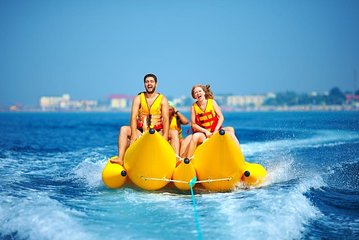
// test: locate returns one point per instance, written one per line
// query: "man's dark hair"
(150, 75)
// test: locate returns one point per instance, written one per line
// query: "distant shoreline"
(296, 108)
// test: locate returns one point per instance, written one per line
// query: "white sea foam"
(271, 212)
(90, 170)
(38, 217)
(268, 215)
(320, 139)
(275, 210)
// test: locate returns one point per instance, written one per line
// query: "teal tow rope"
(191, 184)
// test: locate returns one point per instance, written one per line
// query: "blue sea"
(51, 188)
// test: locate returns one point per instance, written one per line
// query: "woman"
(176, 119)
(206, 119)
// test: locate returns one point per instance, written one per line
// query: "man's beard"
(152, 91)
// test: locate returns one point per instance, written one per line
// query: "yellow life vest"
(174, 124)
(150, 116)
(208, 118)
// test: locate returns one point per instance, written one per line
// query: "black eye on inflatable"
(123, 173)
(186, 161)
(247, 173)
(222, 132)
(152, 131)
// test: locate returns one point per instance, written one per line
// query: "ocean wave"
(89, 171)
(264, 214)
(38, 217)
(319, 139)
(344, 175)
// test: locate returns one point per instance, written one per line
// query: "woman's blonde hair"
(207, 91)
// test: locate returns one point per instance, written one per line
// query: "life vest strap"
(150, 121)
(204, 114)
(207, 120)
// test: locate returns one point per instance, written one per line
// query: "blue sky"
(91, 49)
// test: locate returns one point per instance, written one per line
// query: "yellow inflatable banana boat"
(150, 157)
(150, 163)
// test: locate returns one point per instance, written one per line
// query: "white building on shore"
(64, 103)
(120, 101)
(246, 101)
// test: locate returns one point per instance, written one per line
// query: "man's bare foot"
(117, 161)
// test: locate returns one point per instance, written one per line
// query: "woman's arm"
(220, 116)
(182, 118)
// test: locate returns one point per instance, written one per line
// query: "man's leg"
(123, 143)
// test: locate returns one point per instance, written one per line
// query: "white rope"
(163, 179)
(180, 181)
(214, 180)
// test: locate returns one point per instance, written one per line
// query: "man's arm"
(165, 117)
(134, 114)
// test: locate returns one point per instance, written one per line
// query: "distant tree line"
(290, 98)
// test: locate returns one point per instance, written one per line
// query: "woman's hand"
(133, 138)
(208, 133)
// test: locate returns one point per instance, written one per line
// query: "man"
(149, 110)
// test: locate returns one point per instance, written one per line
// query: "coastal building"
(245, 101)
(54, 102)
(64, 103)
(352, 99)
(83, 105)
(120, 101)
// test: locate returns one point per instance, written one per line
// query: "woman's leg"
(184, 145)
(231, 132)
(174, 140)
(197, 138)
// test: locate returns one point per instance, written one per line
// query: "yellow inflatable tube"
(113, 175)
(219, 162)
(183, 173)
(148, 160)
(254, 174)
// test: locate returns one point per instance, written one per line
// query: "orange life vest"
(208, 118)
(149, 116)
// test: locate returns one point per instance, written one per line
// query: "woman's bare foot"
(178, 160)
